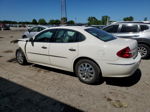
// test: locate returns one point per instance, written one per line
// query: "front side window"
(102, 35)
(66, 36)
(44, 37)
(129, 28)
(112, 29)
(144, 27)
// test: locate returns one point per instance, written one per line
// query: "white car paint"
(103, 53)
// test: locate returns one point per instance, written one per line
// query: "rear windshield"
(102, 35)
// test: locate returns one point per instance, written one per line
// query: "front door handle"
(43, 47)
(71, 49)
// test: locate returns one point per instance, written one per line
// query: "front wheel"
(20, 57)
(87, 71)
(144, 50)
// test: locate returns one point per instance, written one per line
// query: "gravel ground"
(35, 88)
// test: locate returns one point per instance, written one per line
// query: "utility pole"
(63, 12)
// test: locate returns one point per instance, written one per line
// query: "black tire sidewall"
(97, 76)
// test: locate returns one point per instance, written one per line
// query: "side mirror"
(32, 41)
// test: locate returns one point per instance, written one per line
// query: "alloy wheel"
(86, 71)
(142, 50)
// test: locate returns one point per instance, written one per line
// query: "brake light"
(125, 53)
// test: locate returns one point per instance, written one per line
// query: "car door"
(128, 31)
(64, 49)
(38, 49)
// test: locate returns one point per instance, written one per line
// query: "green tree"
(34, 21)
(99, 22)
(54, 22)
(93, 21)
(71, 22)
(24, 22)
(63, 20)
(145, 19)
(57, 22)
(105, 20)
(51, 22)
(42, 21)
(8, 22)
(130, 18)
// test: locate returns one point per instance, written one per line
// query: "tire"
(144, 51)
(24, 36)
(87, 71)
(20, 57)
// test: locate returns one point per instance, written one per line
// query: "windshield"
(102, 35)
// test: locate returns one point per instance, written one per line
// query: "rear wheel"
(87, 71)
(144, 50)
(20, 57)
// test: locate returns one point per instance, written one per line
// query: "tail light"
(125, 53)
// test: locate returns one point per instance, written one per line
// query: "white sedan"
(89, 52)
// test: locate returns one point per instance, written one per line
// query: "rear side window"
(129, 28)
(80, 37)
(66, 36)
(102, 35)
(144, 27)
(112, 29)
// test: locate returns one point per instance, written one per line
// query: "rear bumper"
(118, 69)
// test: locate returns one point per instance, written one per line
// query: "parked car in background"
(87, 51)
(33, 31)
(139, 31)
(98, 26)
(4, 27)
(30, 26)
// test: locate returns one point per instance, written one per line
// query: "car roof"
(78, 28)
(131, 22)
(42, 26)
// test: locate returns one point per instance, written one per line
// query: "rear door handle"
(71, 49)
(43, 47)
